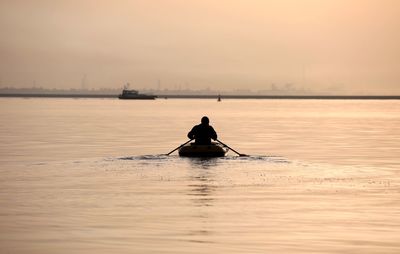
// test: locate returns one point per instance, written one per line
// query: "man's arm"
(191, 133)
(213, 134)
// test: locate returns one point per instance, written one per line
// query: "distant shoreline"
(168, 96)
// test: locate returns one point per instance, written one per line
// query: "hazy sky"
(221, 44)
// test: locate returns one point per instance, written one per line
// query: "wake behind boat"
(195, 150)
(135, 95)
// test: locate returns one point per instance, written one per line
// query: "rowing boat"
(194, 150)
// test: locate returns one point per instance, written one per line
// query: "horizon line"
(211, 96)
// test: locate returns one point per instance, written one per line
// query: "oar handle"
(179, 147)
(240, 154)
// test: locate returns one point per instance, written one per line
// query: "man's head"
(205, 120)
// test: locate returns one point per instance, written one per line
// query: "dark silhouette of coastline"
(183, 96)
(60, 95)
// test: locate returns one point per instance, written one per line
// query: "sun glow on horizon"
(225, 44)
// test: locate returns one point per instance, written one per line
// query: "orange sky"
(225, 44)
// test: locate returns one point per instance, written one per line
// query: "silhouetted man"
(203, 133)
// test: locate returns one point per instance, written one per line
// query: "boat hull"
(193, 150)
(139, 97)
(135, 95)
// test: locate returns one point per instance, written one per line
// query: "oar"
(240, 154)
(178, 147)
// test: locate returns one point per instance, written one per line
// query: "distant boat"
(135, 95)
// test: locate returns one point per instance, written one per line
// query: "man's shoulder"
(201, 126)
(196, 127)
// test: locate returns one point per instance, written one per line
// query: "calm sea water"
(89, 176)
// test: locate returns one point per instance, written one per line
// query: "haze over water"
(89, 176)
(330, 46)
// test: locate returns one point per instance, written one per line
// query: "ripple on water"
(160, 157)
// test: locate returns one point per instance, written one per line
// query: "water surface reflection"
(202, 178)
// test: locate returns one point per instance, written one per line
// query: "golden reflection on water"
(86, 176)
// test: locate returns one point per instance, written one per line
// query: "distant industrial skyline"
(334, 46)
(288, 89)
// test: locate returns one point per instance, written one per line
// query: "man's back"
(202, 133)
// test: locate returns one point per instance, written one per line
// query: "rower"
(203, 133)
